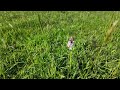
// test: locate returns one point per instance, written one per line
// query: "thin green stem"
(69, 63)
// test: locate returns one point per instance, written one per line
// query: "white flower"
(70, 43)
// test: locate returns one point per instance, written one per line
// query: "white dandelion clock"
(70, 43)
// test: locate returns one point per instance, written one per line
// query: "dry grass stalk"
(109, 32)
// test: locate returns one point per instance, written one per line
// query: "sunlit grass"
(33, 45)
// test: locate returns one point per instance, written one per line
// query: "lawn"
(33, 45)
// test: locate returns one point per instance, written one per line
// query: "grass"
(33, 45)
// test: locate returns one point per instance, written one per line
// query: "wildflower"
(70, 43)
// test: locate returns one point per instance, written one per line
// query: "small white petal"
(70, 45)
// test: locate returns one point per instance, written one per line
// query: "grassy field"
(33, 45)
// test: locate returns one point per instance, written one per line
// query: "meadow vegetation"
(33, 45)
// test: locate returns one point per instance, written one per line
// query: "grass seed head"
(109, 32)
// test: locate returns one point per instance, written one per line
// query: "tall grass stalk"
(106, 39)
(39, 19)
(110, 31)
